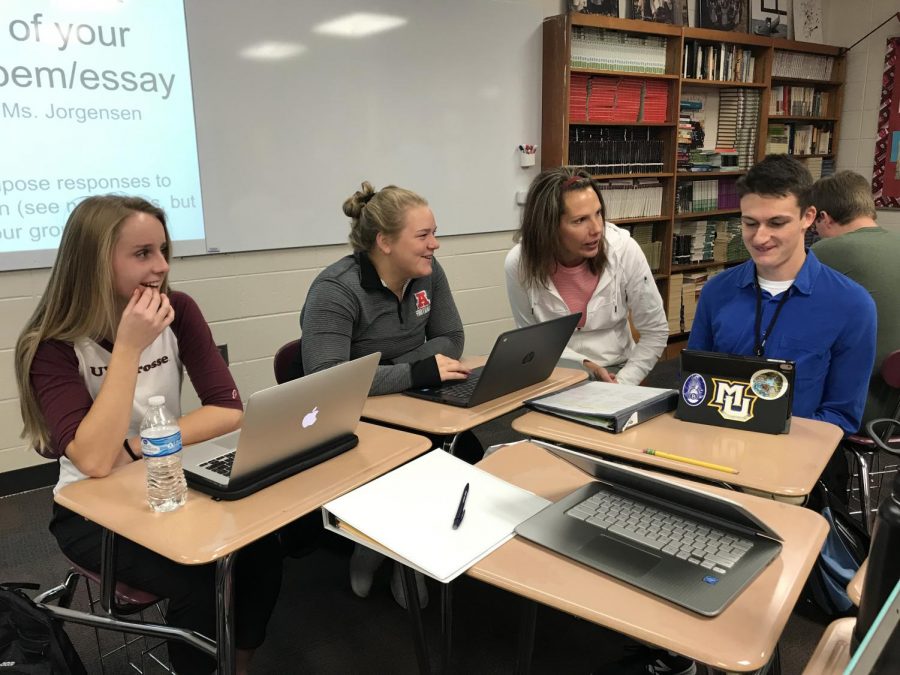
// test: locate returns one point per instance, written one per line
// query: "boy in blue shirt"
(785, 304)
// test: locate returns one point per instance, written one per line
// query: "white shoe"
(363, 564)
(397, 587)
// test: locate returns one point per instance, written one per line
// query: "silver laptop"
(520, 358)
(286, 429)
(680, 543)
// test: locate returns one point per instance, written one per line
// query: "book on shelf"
(802, 66)
(408, 514)
(601, 98)
(717, 61)
(615, 150)
(798, 101)
(632, 198)
(599, 49)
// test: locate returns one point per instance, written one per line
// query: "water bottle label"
(162, 446)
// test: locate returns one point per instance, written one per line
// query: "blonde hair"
(80, 300)
(374, 212)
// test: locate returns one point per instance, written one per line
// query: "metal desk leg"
(108, 545)
(225, 615)
(449, 444)
(446, 625)
(527, 621)
(411, 591)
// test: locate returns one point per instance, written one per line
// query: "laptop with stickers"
(738, 392)
(286, 429)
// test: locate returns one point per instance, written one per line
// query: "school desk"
(780, 466)
(832, 654)
(743, 638)
(448, 421)
(205, 530)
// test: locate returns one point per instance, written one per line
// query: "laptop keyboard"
(663, 531)
(221, 464)
(464, 388)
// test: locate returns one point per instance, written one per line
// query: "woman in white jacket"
(569, 259)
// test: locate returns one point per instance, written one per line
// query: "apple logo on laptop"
(310, 418)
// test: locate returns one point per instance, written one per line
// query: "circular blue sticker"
(693, 391)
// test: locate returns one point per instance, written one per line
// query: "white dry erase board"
(438, 103)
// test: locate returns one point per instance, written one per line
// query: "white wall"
(844, 23)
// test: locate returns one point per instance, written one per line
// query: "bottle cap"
(156, 400)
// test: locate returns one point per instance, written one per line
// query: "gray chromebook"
(520, 358)
(286, 429)
(694, 549)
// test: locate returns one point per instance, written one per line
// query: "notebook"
(607, 406)
(286, 429)
(409, 514)
(682, 544)
(519, 358)
(739, 392)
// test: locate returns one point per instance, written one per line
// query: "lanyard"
(760, 348)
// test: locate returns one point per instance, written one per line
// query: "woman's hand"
(450, 369)
(599, 372)
(145, 316)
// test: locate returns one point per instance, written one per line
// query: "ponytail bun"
(354, 204)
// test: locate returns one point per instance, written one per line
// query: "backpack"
(846, 546)
(31, 640)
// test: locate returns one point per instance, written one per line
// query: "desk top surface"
(204, 530)
(440, 418)
(832, 655)
(741, 638)
(783, 465)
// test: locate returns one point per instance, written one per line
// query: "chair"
(288, 362)
(128, 601)
(864, 448)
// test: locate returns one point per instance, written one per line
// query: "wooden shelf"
(801, 118)
(621, 73)
(710, 174)
(691, 215)
(576, 123)
(557, 42)
(691, 82)
(613, 176)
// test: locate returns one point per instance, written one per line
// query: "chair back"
(288, 362)
(890, 369)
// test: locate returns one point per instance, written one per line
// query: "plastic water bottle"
(161, 445)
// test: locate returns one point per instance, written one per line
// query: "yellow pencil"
(688, 460)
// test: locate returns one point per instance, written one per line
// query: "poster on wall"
(770, 18)
(886, 174)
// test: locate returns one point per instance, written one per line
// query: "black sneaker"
(652, 662)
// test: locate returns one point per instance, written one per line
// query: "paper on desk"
(408, 513)
(600, 398)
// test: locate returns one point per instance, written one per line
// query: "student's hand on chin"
(600, 373)
(450, 369)
(146, 315)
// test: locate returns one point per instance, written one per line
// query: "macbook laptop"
(286, 429)
(739, 392)
(519, 358)
(679, 543)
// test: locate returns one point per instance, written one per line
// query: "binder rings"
(611, 407)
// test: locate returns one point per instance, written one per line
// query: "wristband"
(130, 452)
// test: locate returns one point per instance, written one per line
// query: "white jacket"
(626, 285)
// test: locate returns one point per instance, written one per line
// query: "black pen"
(461, 509)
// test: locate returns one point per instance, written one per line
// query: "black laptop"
(739, 392)
(520, 358)
(680, 543)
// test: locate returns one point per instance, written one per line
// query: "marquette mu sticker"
(423, 304)
(734, 400)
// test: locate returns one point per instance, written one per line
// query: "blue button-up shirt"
(827, 326)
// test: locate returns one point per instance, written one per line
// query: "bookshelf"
(667, 118)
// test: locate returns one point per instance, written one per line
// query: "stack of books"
(777, 139)
(814, 165)
(706, 195)
(693, 242)
(802, 66)
(643, 235)
(611, 150)
(798, 101)
(632, 198)
(673, 313)
(738, 123)
(690, 129)
(615, 50)
(617, 99)
(729, 245)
